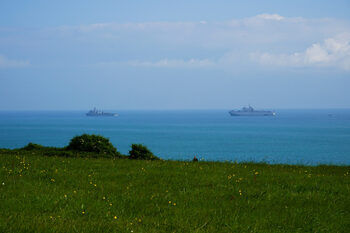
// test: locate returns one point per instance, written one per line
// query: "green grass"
(58, 194)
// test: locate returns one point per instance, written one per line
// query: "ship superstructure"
(96, 112)
(250, 111)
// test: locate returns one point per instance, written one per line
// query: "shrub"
(93, 143)
(33, 146)
(139, 151)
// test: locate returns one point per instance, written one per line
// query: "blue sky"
(68, 55)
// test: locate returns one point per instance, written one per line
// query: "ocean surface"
(308, 137)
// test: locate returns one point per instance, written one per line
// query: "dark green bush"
(33, 146)
(93, 143)
(139, 151)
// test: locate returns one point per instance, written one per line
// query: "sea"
(306, 137)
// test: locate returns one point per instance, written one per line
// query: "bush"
(93, 143)
(33, 146)
(139, 151)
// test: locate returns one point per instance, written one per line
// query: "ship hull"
(95, 112)
(255, 113)
(102, 115)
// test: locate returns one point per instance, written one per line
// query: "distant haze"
(174, 54)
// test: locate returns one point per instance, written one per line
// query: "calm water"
(293, 136)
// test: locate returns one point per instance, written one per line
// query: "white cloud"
(270, 17)
(8, 63)
(332, 52)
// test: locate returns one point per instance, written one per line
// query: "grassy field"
(58, 194)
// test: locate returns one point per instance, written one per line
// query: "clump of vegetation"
(93, 143)
(139, 151)
(52, 151)
(93, 146)
(33, 146)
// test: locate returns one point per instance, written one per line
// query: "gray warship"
(95, 112)
(249, 111)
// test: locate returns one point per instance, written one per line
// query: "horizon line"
(174, 109)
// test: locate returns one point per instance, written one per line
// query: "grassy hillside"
(58, 194)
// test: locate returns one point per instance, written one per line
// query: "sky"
(76, 55)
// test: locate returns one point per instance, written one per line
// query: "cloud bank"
(265, 39)
(302, 42)
(332, 52)
(270, 17)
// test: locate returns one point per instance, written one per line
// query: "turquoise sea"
(293, 136)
